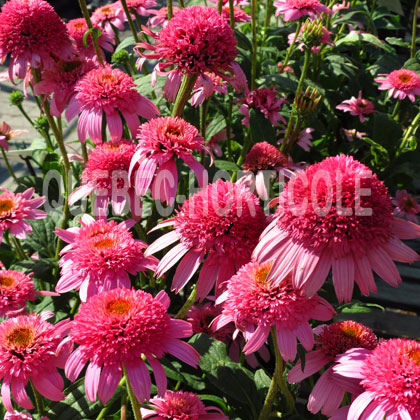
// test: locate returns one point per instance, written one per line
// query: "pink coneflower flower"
(111, 92)
(100, 256)
(336, 214)
(15, 415)
(324, 40)
(161, 17)
(30, 350)
(109, 16)
(263, 159)
(406, 206)
(205, 86)
(256, 304)
(352, 134)
(14, 208)
(265, 100)
(197, 40)
(305, 139)
(341, 6)
(32, 33)
(6, 134)
(287, 69)
(238, 14)
(61, 80)
(389, 379)
(141, 7)
(106, 172)
(295, 9)
(114, 330)
(160, 142)
(222, 222)
(180, 405)
(201, 316)
(15, 289)
(357, 106)
(236, 3)
(400, 83)
(332, 341)
(77, 29)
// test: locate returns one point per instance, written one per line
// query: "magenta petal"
(183, 351)
(115, 126)
(93, 374)
(162, 242)
(75, 364)
(359, 405)
(198, 169)
(286, 340)
(160, 376)
(398, 251)
(82, 126)
(146, 108)
(186, 269)
(132, 121)
(314, 362)
(5, 394)
(144, 175)
(343, 277)
(171, 258)
(364, 277)
(404, 229)
(208, 275)
(139, 378)
(258, 338)
(383, 265)
(49, 385)
(305, 335)
(20, 395)
(163, 298)
(108, 382)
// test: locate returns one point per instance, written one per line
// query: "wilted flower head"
(100, 256)
(197, 40)
(114, 330)
(106, 171)
(265, 100)
(112, 92)
(30, 350)
(256, 304)
(327, 220)
(341, 6)
(160, 142)
(32, 33)
(400, 83)
(389, 379)
(220, 223)
(14, 208)
(357, 106)
(406, 206)
(6, 134)
(77, 29)
(205, 86)
(332, 341)
(180, 405)
(295, 9)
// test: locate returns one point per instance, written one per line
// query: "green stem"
(414, 33)
(254, 24)
(203, 117)
(140, 231)
(372, 9)
(396, 110)
(132, 396)
(245, 148)
(181, 4)
(85, 12)
(188, 304)
(20, 107)
(170, 9)
(84, 152)
(123, 405)
(408, 133)
(184, 93)
(39, 402)
(304, 70)
(18, 247)
(75, 306)
(289, 51)
(103, 413)
(229, 128)
(103, 127)
(269, 7)
(130, 21)
(7, 163)
(220, 6)
(232, 14)
(277, 382)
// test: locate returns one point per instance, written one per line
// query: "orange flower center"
(350, 330)
(174, 131)
(404, 78)
(6, 204)
(79, 26)
(105, 243)
(20, 336)
(6, 281)
(118, 306)
(415, 355)
(261, 273)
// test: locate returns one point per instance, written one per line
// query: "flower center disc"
(6, 281)
(415, 355)
(5, 206)
(404, 78)
(20, 336)
(105, 243)
(119, 307)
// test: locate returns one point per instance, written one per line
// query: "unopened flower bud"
(16, 98)
(120, 57)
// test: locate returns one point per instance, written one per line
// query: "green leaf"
(243, 41)
(261, 127)
(397, 41)
(126, 42)
(283, 82)
(393, 5)
(36, 144)
(356, 37)
(226, 165)
(144, 84)
(412, 64)
(229, 377)
(217, 124)
(262, 380)
(386, 131)
(42, 268)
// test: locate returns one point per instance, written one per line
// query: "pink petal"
(163, 298)
(286, 340)
(384, 266)
(93, 375)
(75, 364)
(171, 258)
(343, 277)
(79, 193)
(5, 394)
(139, 378)
(108, 382)
(258, 338)
(404, 229)
(114, 126)
(144, 175)
(49, 385)
(183, 351)
(364, 276)
(398, 251)
(359, 405)
(314, 362)
(160, 376)
(305, 335)
(186, 269)
(198, 169)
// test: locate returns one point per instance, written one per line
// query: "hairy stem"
(184, 94)
(188, 304)
(7, 163)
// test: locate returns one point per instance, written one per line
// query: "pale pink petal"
(186, 269)
(139, 378)
(286, 340)
(93, 374)
(314, 362)
(359, 405)
(160, 376)
(343, 277)
(108, 382)
(258, 338)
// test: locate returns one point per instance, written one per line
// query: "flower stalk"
(289, 51)
(254, 23)
(414, 30)
(184, 93)
(130, 20)
(134, 403)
